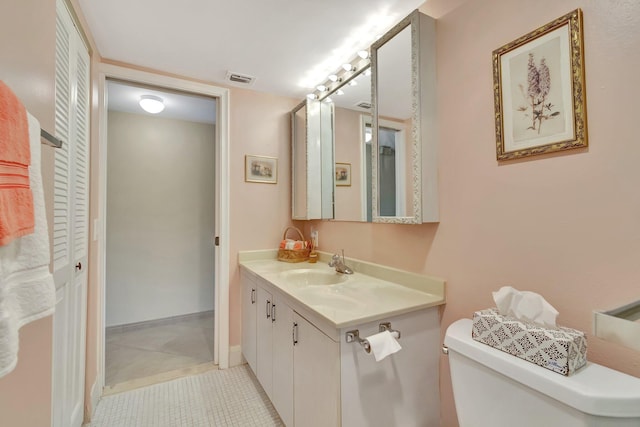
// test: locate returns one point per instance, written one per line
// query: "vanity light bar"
(342, 76)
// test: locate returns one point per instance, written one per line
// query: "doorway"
(222, 355)
(159, 290)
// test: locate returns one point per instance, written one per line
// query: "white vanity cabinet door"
(249, 305)
(316, 377)
(282, 397)
(264, 341)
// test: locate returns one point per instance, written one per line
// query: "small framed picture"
(261, 169)
(539, 91)
(343, 174)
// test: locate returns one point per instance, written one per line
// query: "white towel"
(27, 291)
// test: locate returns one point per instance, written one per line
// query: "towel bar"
(50, 140)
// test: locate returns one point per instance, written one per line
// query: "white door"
(264, 344)
(316, 367)
(282, 396)
(70, 223)
(249, 303)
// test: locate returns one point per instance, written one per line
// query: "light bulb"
(347, 67)
(327, 99)
(321, 88)
(312, 96)
(339, 92)
(353, 83)
(364, 54)
(333, 78)
(151, 104)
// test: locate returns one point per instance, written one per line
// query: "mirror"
(352, 121)
(312, 167)
(404, 165)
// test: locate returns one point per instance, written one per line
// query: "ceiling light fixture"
(151, 104)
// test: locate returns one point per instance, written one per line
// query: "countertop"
(357, 298)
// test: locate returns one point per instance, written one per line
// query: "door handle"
(79, 266)
(273, 312)
(268, 309)
(253, 296)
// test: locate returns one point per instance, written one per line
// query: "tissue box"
(562, 350)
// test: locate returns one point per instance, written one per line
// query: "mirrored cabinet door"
(312, 160)
(404, 145)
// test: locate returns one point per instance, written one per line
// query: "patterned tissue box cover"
(562, 350)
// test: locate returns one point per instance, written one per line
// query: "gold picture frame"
(539, 91)
(261, 169)
(343, 174)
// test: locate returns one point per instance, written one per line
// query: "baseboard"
(235, 356)
(96, 394)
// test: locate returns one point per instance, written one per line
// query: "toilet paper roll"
(383, 344)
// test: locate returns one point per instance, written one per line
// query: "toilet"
(494, 388)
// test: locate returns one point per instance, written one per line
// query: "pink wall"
(566, 226)
(27, 51)
(260, 125)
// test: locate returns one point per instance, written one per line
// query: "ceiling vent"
(364, 104)
(240, 78)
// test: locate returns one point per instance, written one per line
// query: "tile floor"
(232, 397)
(151, 348)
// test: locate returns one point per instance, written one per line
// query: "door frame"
(221, 286)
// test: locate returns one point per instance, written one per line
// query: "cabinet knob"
(78, 266)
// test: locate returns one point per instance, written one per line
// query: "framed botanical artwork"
(343, 174)
(261, 169)
(539, 91)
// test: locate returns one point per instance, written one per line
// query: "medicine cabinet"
(312, 160)
(385, 137)
(404, 139)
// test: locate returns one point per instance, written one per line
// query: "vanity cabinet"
(290, 355)
(315, 377)
(249, 305)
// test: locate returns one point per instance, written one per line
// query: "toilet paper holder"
(354, 335)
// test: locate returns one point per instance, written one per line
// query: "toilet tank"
(493, 388)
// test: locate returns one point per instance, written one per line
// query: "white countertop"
(358, 298)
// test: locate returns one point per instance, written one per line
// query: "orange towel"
(16, 199)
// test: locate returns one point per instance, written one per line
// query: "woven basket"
(293, 255)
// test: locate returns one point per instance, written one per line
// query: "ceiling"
(124, 96)
(289, 46)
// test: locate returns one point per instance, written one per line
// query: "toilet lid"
(594, 389)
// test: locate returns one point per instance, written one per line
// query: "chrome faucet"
(339, 264)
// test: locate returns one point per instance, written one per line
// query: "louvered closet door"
(70, 222)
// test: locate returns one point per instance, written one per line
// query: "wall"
(566, 226)
(160, 223)
(27, 48)
(259, 124)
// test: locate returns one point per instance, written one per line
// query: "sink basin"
(308, 277)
